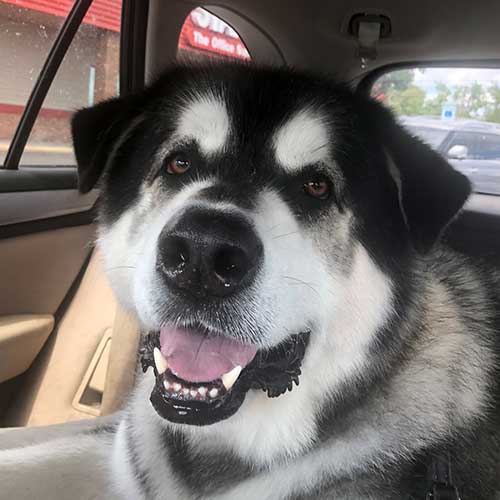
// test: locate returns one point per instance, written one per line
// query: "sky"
(454, 76)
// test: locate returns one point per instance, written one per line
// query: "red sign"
(206, 32)
(102, 13)
(201, 30)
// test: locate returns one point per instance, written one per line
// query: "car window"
(89, 73)
(435, 137)
(467, 139)
(456, 111)
(206, 35)
(26, 36)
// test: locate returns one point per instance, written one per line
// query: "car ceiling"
(314, 33)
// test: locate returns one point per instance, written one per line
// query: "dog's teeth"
(213, 393)
(193, 393)
(185, 391)
(202, 391)
(177, 387)
(229, 378)
(167, 385)
(160, 361)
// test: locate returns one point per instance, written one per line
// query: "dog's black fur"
(398, 220)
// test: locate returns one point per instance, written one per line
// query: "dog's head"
(248, 216)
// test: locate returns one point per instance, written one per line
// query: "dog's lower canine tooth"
(166, 384)
(160, 362)
(229, 378)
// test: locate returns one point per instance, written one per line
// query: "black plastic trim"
(133, 45)
(38, 179)
(476, 234)
(38, 226)
(43, 83)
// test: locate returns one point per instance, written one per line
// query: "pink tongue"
(195, 357)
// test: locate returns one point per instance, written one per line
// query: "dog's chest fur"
(372, 441)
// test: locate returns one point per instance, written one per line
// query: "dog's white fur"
(302, 140)
(296, 289)
(204, 119)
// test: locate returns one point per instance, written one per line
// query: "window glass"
(454, 110)
(205, 35)
(431, 135)
(27, 32)
(89, 73)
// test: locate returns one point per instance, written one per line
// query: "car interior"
(67, 349)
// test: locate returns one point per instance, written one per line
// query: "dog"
(307, 334)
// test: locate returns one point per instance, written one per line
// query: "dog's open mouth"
(202, 378)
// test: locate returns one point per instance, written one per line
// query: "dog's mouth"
(203, 378)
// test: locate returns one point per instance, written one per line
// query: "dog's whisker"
(284, 235)
(272, 228)
(119, 267)
(301, 282)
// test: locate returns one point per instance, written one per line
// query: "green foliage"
(407, 102)
(395, 81)
(492, 113)
(470, 100)
(434, 105)
(398, 90)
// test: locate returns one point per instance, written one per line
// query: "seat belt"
(441, 480)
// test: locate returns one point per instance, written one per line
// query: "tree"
(408, 102)
(393, 81)
(434, 105)
(492, 112)
(471, 100)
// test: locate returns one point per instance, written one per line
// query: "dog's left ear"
(431, 191)
(95, 131)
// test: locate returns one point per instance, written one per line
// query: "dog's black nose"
(207, 252)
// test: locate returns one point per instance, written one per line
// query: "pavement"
(42, 154)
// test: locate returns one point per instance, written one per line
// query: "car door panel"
(38, 269)
(47, 391)
(38, 205)
(21, 339)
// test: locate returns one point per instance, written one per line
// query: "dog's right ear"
(431, 191)
(95, 131)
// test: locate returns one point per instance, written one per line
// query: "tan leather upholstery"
(45, 396)
(48, 391)
(37, 270)
(122, 362)
(21, 338)
(19, 437)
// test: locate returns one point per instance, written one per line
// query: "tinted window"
(449, 107)
(88, 74)
(26, 36)
(205, 35)
(432, 136)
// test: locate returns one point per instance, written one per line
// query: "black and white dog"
(307, 335)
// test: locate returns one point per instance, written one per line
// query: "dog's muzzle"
(206, 258)
(178, 400)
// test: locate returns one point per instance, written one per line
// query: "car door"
(56, 308)
(482, 164)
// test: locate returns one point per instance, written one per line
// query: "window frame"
(131, 68)
(367, 79)
(479, 202)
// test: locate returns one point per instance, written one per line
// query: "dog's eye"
(318, 188)
(178, 165)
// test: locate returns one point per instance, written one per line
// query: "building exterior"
(89, 72)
